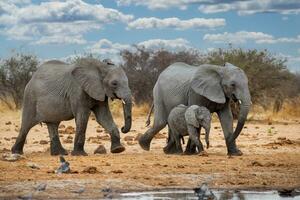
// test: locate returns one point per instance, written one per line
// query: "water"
(219, 195)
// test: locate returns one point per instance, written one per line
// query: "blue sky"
(61, 29)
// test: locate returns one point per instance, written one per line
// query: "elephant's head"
(220, 83)
(199, 116)
(103, 79)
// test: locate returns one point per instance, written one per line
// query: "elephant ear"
(90, 80)
(207, 83)
(190, 116)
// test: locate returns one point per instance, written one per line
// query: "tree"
(15, 72)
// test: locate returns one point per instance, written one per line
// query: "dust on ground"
(271, 160)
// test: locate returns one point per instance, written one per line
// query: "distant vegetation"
(270, 82)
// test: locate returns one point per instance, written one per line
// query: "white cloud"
(244, 36)
(178, 44)
(153, 22)
(107, 49)
(214, 6)
(65, 21)
(254, 6)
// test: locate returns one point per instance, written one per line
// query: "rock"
(12, 157)
(117, 171)
(129, 138)
(98, 130)
(79, 191)
(90, 170)
(8, 123)
(64, 167)
(33, 165)
(43, 142)
(100, 150)
(41, 187)
(203, 192)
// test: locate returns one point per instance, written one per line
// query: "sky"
(60, 29)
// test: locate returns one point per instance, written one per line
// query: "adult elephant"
(206, 85)
(60, 91)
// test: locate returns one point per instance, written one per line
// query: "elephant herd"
(184, 97)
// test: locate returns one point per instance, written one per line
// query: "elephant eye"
(232, 84)
(114, 83)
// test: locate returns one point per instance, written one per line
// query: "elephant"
(207, 85)
(59, 91)
(184, 120)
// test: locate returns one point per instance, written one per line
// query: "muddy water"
(218, 194)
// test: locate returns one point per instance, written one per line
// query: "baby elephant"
(184, 120)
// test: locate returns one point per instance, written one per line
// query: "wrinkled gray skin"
(184, 120)
(60, 91)
(206, 85)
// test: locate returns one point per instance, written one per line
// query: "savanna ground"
(271, 159)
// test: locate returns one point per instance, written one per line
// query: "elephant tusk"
(240, 102)
(123, 102)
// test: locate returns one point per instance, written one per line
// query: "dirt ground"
(271, 160)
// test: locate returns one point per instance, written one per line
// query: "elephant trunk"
(207, 137)
(244, 110)
(127, 106)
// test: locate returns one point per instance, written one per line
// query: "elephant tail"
(149, 116)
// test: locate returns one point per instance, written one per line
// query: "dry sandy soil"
(271, 160)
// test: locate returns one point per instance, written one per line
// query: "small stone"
(98, 130)
(33, 165)
(43, 142)
(41, 187)
(70, 137)
(118, 171)
(256, 164)
(203, 153)
(7, 139)
(90, 170)
(79, 191)
(8, 123)
(100, 150)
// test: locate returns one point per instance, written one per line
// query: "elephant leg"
(81, 121)
(104, 118)
(173, 143)
(191, 147)
(160, 121)
(28, 121)
(55, 145)
(226, 120)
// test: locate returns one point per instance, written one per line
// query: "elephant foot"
(235, 152)
(78, 153)
(15, 150)
(172, 150)
(144, 142)
(117, 149)
(58, 151)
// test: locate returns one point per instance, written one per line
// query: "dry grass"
(289, 111)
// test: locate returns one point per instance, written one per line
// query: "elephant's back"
(52, 69)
